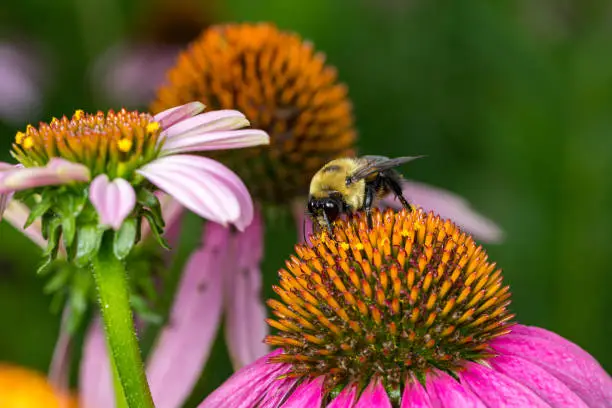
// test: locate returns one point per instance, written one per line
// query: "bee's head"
(330, 207)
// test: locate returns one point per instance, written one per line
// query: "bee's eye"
(331, 210)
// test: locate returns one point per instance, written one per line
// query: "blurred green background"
(511, 102)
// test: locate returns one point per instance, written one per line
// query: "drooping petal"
(307, 394)
(374, 395)
(447, 205)
(496, 389)
(59, 370)
(171, 116)
(248, 386)
(5, 199)
(579, 371)
(445, 391)
(415, 396)
(95, 375)
(204, 186)
(245, 312)
(57, 171)
(346, 398)
(113, 200)
(201, 139)
(16, 214)
(213, 121)
(184, 344)
(538, 380)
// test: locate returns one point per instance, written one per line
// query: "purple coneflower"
(286, 88)
(92, 179)
(408, 314)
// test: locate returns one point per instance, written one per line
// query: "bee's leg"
(394, 185)
(367, 204)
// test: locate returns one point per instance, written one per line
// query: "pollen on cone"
(284, 87)
(412, 294)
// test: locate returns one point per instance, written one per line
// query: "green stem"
(113, 292)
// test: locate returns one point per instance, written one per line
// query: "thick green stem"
(113, 292)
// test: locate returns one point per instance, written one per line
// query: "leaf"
(125, 238)
(38, 210)
(157, 231)
(88, 242)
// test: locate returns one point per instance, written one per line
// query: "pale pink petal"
(171, 116)
(374, 395)
(5, 199)
(59, 370)
(445, 391)
(248, 386)
(204, 186)
(57, 171)
(183, 347)
(16, 214)
(113, 200)
(415, 396)
(562, 359)
(346, 398)
(224, 119)
(307, 394)
(245, 312)
(496, 389)
(447, 205)
(231, 139)
(95, 376)
(538, 380)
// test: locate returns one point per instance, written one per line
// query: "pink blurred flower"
(533, 368)
(203, 185)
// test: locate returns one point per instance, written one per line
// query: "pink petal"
(204, 186)
(538, 380)
(496, 389)
(16, 214)
(95, 377)
(245, 311)
(183, 347)
(445, 391)
(346, 398)
(57, 171)
(113, 200)
(415, 396)
(248, 386)
(204, 123)
(278, 393)
(201, 141)
(374, 395)
(448, 205)
(171, 116)
(59, 371)
(562, 359)
(5, 199)
(306, 395)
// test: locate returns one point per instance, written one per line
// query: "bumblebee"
(346, 185)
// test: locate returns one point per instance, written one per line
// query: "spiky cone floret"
(411, 295)
(407, 314)
(284, 87)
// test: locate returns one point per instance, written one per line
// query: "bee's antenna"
(304, 229)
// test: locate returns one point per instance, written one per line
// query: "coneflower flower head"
(284, 87)
(412, 295)
(91, 172)
(408, 313)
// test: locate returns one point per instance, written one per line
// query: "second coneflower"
(407, 314)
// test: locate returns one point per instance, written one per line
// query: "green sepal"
(156, 230)
(420, 375)
(39, 209)
(125, 238)
(150, 201)
(68, 233)
(59, 279)
(88, 243)
(46, 266)
(52, 227)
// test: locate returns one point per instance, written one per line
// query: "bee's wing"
(375, 164)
